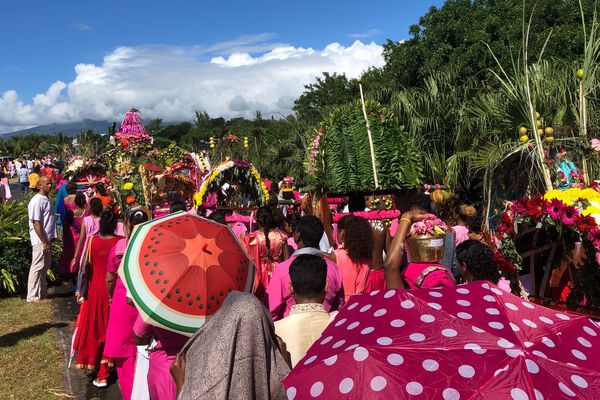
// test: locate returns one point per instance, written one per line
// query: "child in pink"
(120, 344)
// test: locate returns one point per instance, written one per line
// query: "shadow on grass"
(10, 339)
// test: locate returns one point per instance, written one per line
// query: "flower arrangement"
(314, 151)
(431, 225)
(241, 169)
(573, 213)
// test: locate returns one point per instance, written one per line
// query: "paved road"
(78, 382)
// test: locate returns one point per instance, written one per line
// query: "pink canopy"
(466, 342)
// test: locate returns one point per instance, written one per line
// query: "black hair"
(71, 188)
(273, 200)
(358, 239)
(479, 260)
(311, 230)
(421, 201)
(108, 223)
(356, 202)
(176, 206)
(96, 206)
(274, 187)
(266, 218)
(100, 188)
(136, 216)
(2, 175)
(218, 216)
(80, 200)
(475, 223)
(36, 169)
(308, 274)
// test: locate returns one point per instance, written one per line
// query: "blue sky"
(42, 41)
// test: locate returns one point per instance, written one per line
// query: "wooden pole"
(583, 130)
(362, 100)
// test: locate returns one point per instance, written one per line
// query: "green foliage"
(15, 248)
(455, 35)
(339, 158)
(328, 91)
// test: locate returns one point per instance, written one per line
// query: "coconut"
(524, 139)
(549, 131)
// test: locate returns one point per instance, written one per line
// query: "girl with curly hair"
(476, 262)
(353, 258)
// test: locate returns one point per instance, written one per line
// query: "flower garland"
(224, 166)
(314, 151)
(576, 210)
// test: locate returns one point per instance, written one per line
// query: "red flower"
(503, 264)
(585, 224)
(569, 216)
(507, 225)
(594, 237)
(520, 207)
(130, 199)
(536, 207)
(555, 209)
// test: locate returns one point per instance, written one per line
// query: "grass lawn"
(31, 364)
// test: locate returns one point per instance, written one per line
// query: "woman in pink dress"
(266, 247)
(168, 344)
(89, 226)
(120, 344)
(74, 211)
(92, 321)
(353, 258)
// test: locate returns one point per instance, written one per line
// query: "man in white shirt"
(308, 318)
(42, 231)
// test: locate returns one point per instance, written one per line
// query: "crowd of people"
(303, 277)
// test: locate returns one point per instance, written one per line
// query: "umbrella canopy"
(180, 268)
(466, 342)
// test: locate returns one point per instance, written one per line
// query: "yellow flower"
(591, 210)
(128, 186)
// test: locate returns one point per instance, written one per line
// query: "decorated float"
(86, 173)
(361, 149)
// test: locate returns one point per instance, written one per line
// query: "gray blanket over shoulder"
(235, 355)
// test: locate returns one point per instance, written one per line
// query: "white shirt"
(40, 209)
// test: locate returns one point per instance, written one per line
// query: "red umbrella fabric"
(179, 269)
(465, 342)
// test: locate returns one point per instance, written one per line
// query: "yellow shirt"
(33, 180)
(301, 328)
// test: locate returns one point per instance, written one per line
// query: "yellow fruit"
(538, 123)
(523, 130)
(549, 131)
(540, 132)
(537, 115)
(549, 139)
(580, 73)
(524, 139)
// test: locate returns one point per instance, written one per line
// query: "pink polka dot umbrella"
(466, 342)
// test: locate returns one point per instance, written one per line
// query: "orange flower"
(130, 199)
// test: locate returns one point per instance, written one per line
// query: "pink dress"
(160, 382)
(461, 234)
(375, 280)
(92, 227)
(71, 232)
(354, 275)
(257, 249)
(120, 344)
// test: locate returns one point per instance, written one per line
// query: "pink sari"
(257, 249)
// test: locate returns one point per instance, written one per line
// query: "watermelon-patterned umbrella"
(179, 269)
(465, 342)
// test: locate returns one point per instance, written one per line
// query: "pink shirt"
(461, 234)
(354, 275)
(278, 292)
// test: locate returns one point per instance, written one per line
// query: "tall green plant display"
(339, 159)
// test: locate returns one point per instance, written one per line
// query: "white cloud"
(365, 35)
(81, 26)
(171, 82)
